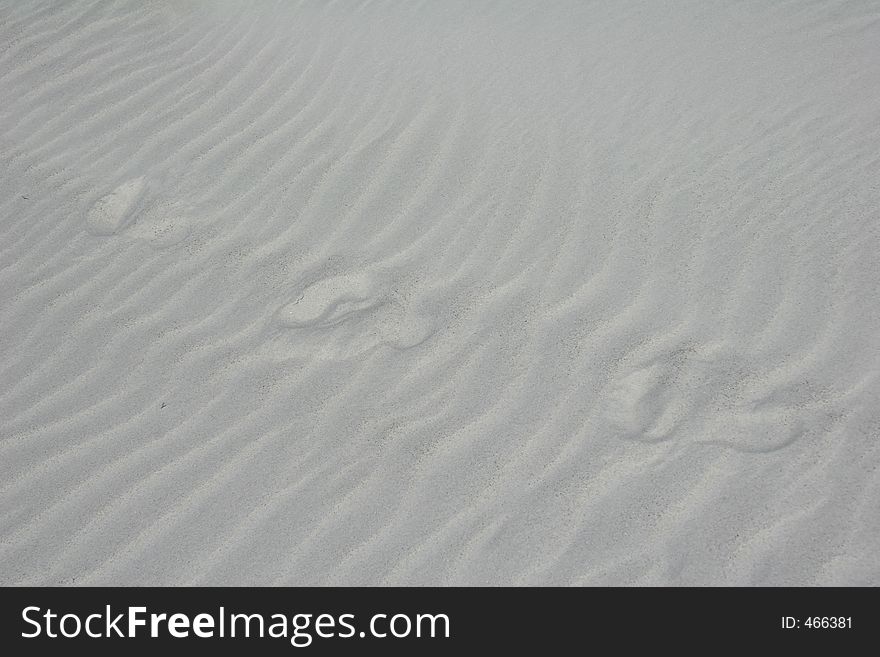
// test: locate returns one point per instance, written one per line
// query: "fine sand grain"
(440, 292)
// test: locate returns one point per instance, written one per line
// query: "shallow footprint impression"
(706, 395)
(116, 210)
(343, 316)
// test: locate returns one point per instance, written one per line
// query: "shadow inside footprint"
(706, 396)
(330, 302)
(116, 210)
(343, 316)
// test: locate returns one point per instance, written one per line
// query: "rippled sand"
(440, 292)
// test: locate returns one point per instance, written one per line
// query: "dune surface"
(440, 292)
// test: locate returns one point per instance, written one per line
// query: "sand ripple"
(439, 292)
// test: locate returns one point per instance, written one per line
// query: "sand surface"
(440, 292)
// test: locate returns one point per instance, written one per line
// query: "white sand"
(444, 292)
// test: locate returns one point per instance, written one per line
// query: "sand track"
(439, 292)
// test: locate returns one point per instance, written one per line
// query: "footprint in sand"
(342, 316)
(708, 396)
(330, 302)
(132, 207)
(116, 210)
(164, 225)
